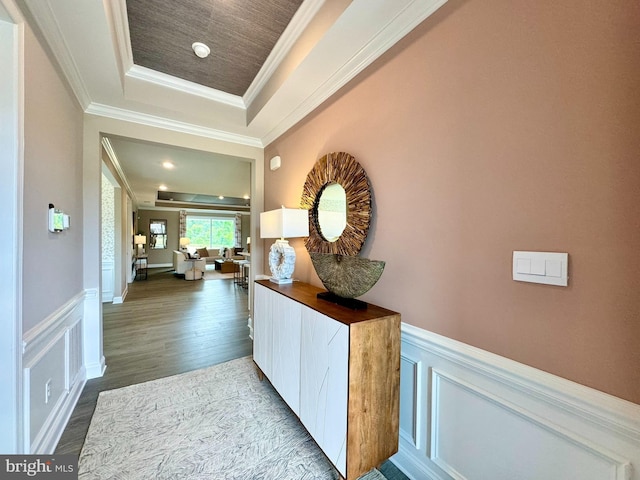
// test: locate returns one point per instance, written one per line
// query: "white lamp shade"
(284, 223)
(184, 241)
(139, 239)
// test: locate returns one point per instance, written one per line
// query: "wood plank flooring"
(166, 326)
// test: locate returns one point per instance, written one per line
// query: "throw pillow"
(203, 252)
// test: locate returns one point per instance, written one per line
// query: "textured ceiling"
(240, 34)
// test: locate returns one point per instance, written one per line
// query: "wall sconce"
(281, 223)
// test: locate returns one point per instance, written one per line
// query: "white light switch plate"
(541, 267)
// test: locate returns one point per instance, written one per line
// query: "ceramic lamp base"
(282, 260)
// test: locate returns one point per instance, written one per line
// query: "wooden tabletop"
(306, 294)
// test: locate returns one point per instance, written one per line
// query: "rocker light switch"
(541, 267)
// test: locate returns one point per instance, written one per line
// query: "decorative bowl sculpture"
(346, 276)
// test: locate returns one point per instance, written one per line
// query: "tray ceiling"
(240, 34)
(272, 62)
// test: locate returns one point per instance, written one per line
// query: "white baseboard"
(120, 299)
(53, 363)
(56, 423)
(160, 265)
(96, 370)
(466, 413)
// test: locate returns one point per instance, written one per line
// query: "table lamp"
(184, 241)
(281, 223)
(140, 241)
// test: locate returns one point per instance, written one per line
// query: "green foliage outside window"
(211, 232)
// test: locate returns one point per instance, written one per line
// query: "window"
(211, 232)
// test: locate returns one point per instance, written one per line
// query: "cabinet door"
(276, 344)
(324, 353)
(286, 350)
(263, 329)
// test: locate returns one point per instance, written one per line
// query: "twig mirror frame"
(341, 168)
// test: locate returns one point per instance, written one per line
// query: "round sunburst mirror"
(338, 198)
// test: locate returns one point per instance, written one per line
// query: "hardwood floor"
(166, 326)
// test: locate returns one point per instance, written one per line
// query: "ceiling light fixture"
(168, 165)
(201, 50)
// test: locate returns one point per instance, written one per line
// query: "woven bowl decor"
(347, 277)
(343, 169)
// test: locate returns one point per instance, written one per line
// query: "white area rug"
(216, 423)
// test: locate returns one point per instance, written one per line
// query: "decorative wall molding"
(53, 356)
(146, 74)
(46, 20)
(122, 179)
(168, 124)
(33, 340)
(94, 361)
(108, 280)
(406, 20)
(457, 400)
(298, 23)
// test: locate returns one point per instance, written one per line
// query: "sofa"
(210, 255)
(181, 265)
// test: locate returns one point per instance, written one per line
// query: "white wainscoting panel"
(108, 280)
(467, 414)
(52, 353)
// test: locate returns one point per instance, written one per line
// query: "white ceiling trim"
(306, 12)
(106, 144)
(169, 124)
(399, 26)
(45, 18)
(175, 83)
(116, 11)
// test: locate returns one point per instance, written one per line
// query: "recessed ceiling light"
(200, 49)
(168, 165)
(162, 187)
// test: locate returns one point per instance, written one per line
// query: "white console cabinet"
(337, 369)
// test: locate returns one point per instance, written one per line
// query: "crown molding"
(116, 11)
(400, 25)
(299, 22)
(45, 19)
(174, 125)
(106, 144)
(175, 83)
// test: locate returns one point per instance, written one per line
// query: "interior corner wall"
(53, 371)
(494, 127)
(52, 174)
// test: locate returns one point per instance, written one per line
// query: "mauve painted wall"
(52, 268)
(499, 126)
